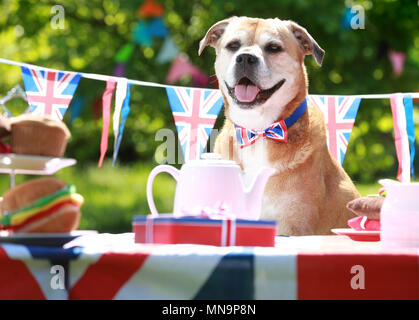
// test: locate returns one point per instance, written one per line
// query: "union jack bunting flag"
(339, 114)
(49, 92)
(195, 112)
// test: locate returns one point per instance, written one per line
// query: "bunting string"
(101, 77)
(195, 110)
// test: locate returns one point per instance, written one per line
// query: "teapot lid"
(211, 159)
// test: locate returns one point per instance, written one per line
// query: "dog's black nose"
(246, 59)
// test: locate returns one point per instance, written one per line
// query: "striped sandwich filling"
(41, 208)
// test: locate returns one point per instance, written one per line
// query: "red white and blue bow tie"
(278, 131)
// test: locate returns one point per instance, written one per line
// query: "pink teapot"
(206, 182)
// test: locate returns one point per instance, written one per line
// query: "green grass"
(367, 189)
(113, 195)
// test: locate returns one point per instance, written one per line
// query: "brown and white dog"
(261, 74)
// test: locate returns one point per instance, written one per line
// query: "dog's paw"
(366, 206)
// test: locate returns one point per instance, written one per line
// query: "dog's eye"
(233, 46)
(273, 48)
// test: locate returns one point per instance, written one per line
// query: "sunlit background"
(98, 36)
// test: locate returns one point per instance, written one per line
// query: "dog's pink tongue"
(246, 93)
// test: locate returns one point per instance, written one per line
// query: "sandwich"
(44, 205)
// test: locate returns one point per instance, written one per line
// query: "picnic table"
(112, 266)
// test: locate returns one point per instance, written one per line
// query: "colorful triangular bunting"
(168, 51)
(124, 115)
(339, 114)
(48, 91)
(140, 34)
(124, 53)
(195, 112)
(150, 9)
(404, 134)
(157, 29)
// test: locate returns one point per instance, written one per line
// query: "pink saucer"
(355, 235)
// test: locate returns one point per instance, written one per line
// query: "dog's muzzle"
(246, 61)
(247, 95)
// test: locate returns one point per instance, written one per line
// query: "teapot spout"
(254, 192)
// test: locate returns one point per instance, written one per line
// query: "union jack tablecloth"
(108, 266)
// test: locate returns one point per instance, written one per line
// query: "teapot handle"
(162, 168)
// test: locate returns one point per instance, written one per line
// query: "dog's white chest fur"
(253, 158)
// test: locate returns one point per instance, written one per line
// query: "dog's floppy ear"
(213, 34)
(307, 43)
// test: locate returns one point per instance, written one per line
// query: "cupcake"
(39, 135)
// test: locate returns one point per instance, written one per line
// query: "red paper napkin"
(364, 224)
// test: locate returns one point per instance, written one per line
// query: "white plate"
(43, 239)
(364, 235)
(29, 164)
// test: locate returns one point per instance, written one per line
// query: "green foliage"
(355, 63)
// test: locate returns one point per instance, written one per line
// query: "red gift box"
(166, 229)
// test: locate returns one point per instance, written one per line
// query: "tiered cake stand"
(14, 164)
